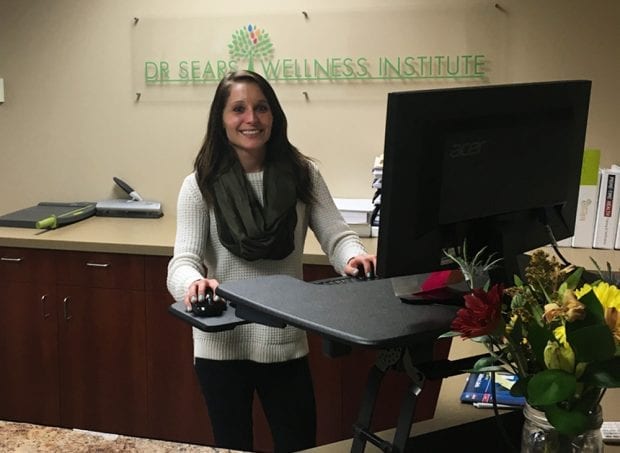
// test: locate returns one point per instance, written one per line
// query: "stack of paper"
(357, 212)
(377, 175)
(362, 214)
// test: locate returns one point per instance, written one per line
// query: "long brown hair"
(216, 153)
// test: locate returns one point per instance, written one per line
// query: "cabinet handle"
(44, 312)
(12, 260)
(97, 264)
(65, 308)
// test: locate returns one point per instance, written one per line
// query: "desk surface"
(365, 313)
(124, 235)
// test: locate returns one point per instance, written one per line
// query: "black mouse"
(208, 307)
(361, 274)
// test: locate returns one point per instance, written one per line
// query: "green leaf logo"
(250, 43)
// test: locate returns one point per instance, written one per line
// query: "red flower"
(481, 314)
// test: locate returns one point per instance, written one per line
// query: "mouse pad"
(227, 321)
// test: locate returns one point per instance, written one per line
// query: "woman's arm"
(341, 245)
(187, 263)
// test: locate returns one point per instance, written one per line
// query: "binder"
(587, 201)
(607, 212)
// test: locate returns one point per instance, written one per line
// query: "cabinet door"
(177, 410)
(28, 354)
(103, 359)
(28, 337)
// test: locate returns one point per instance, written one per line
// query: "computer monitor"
(497, 165)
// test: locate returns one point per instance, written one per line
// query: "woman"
(244, 213)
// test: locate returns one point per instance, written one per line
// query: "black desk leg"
(362, 427)
(405, 418)
(362, 434)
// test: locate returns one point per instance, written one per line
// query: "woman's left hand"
(361, 263)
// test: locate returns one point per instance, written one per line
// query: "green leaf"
(569, 423)
(519, 388)
(482, 339)
(603, 374)
(537, 313)
(484, 362)
(591, 343)
(449, 334)
(593, 306)
(516, 335)
(574, 279)
(538, 337)
(550, 387)
(488, 369)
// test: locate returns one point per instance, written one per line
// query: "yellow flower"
(609, 297)
(560, 334)
(559, 356)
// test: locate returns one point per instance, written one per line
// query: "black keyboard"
(342, 280)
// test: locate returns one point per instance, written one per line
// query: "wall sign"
(327, 54)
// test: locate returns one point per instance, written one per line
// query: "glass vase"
(539, 436)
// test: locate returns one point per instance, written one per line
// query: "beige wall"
(70, 122)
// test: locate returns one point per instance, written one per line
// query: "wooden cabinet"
(29, 388)
(102, 342)
(87, 342)
(75, 340)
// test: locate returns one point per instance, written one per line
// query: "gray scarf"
(246, 228)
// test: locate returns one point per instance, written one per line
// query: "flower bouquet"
(560, 336)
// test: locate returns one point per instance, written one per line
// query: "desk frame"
(403, 333)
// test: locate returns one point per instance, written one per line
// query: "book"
(355, 210)
(607, 212)
(617, 240)
(478, 390)
(587, 200)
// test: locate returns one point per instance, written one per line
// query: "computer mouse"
(362, 275)
(208, 307)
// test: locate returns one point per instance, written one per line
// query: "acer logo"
(466, 149)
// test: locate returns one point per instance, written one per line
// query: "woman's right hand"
(197, 291)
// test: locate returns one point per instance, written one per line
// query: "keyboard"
(342, 280)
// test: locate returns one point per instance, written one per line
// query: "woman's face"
(247, 121)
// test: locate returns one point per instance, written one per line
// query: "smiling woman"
(247, 121)
(244, 213)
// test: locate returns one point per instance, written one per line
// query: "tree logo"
(250, 43)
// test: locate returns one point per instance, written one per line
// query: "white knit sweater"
(197, 248)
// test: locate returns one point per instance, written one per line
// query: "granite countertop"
(125, 235)
(27, 438)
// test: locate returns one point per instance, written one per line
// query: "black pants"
(286, 394)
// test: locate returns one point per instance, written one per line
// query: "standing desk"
(359, 313)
